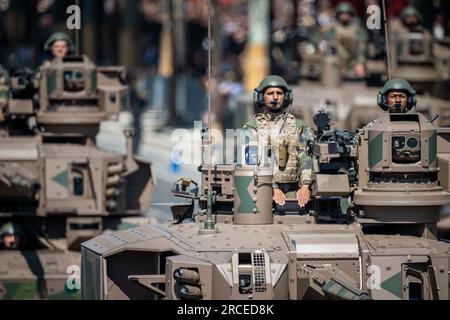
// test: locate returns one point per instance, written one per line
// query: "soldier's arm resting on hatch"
(363, 38)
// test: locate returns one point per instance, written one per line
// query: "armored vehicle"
(56, 186)
(350, 102)
(414, 56)
(368, 233)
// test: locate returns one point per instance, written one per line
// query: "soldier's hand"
(360, 70)
(279, 197)
(303, 195)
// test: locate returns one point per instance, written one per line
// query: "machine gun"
(335, 149)
(23, 84)
(22, 103)
(335, 166)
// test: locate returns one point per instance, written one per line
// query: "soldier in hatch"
(348, 39)
(410, 21)
(397, 96)
(410, 40)
(283, 140)
(59, 45)
(12, 236)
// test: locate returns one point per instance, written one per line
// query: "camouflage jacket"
(283, 143)
(4, 88)
(349, 42)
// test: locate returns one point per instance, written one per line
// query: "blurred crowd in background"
(164, 43)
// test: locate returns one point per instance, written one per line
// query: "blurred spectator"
(137, 104)
(438, 27)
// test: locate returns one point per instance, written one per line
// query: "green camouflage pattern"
(4, 87)
(32, 290)
(375, 150)
(246, 205)
(350, 42)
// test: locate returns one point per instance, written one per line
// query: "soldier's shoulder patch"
(300, 124)
(251, 124)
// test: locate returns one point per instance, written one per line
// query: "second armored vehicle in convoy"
(414, 56)
(56, 186)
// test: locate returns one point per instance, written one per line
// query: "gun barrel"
(19, 177)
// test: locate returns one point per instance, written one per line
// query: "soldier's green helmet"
(59, 36)
(10, 228)
(345, 7)
(410, 11)
(272, 81)
(396, 85)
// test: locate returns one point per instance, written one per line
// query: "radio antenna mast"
(386, 34)
(209, 225)
(77, 34)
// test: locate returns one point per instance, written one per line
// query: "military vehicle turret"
(368, 233)
(415, 55)
(55, 182)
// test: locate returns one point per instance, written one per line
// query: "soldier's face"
(345, 18)
(411, 20)
(60, 49)
(397, 101)
(11, 241)
(274, 98)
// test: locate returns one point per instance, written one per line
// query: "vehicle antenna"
(209, 225)
(77, 34)
(386, 33)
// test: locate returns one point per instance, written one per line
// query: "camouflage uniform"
(4, 90)
(272, 131)
(349, 43)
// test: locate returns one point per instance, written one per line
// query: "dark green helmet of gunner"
(268, 82)
(10, 228)
(59, 36)
(397, 85)
(410, 11)
(345, 7)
